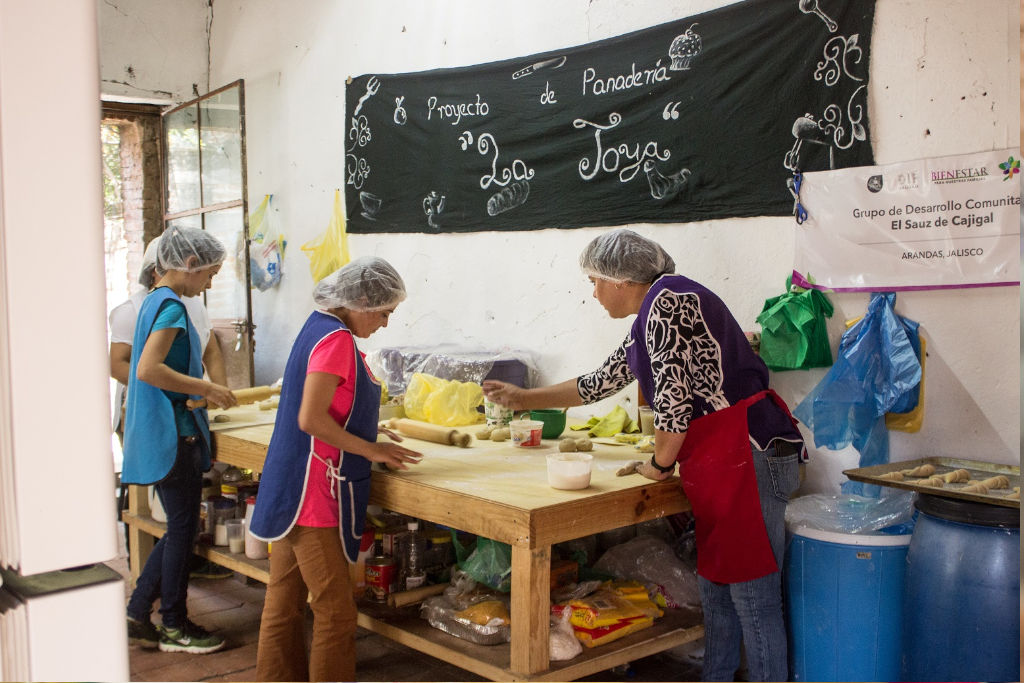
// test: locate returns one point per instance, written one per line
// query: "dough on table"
(222, 418)
(501, 434)
(567, 445)
(584, 444)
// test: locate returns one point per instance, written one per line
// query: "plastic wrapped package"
(397, 365)
(850, 514)
(650, 559)
(443, 614)
(562, 639)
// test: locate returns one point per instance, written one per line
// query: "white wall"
(944, 80)
(154, 51)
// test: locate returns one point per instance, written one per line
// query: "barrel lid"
(968, 511)
(872, 539)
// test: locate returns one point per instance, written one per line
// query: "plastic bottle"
(255, 549)
(415, 549)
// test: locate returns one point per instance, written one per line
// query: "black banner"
(701, 118)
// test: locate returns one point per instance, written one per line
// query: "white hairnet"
(147, 273)
(178, 246)
(622, 255)
(368, 283)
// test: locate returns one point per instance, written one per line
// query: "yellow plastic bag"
(448, 403)
(329, 251)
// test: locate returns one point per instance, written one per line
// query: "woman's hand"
(220, 396)
(392, 456)
(651, 472)
(503, 393)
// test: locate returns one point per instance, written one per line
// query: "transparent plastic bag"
(442, 615)
(266, 249)
(850, 514)
(448, 403)
(650, 559)
(329, 251)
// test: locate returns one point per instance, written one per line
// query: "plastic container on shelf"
(960, 609)
(255, 549)
(843, 595)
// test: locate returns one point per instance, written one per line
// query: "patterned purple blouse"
(690, 358)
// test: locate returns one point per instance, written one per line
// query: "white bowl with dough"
(569, 470)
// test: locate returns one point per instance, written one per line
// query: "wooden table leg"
(140, 543)
(531, 607)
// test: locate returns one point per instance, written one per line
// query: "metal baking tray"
(978, 470)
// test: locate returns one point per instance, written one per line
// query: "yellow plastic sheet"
(329, 252)
(448, 403)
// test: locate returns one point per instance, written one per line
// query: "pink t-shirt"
(333, 355)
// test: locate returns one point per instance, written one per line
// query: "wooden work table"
(499, 491)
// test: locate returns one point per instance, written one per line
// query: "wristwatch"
(664, 470)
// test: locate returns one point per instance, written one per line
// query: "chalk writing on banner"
(705, 117)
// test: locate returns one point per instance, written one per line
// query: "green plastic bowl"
(553, 419)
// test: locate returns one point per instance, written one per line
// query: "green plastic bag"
(794, 334)
(490, 562)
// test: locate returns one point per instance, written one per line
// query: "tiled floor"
(231, 608)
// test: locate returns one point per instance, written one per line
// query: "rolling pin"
(243, 396)
(428, 432)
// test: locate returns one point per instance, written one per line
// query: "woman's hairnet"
(147, 273)
(624, 256)
(368, 283)
(179, 245)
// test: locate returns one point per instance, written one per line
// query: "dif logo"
(906, 180)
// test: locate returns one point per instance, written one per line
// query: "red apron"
(716, 469)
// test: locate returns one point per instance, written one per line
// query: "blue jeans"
(166, 572)
(750, 613)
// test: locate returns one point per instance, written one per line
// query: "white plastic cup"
(236, 535)
(569, 470)
(526, 433)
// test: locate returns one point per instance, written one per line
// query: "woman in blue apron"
(316, 477)
(165, 443)
(737, 445)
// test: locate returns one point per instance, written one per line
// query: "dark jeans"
(166, 572)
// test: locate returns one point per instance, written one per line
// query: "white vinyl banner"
(928, 224)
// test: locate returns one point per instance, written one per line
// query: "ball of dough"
(501, 434)
(584, 444)
(485, 433)
(567, 445)
(222, 418)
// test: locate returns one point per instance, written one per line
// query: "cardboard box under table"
(500, 491)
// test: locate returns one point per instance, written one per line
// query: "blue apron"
(286, 468)
(151, 434)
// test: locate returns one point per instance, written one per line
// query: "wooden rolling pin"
(428, 432)
(415, 595)
(243, 396)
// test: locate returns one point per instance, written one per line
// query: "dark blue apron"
(286, 468)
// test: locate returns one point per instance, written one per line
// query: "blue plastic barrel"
(961, 608)
(844, 596)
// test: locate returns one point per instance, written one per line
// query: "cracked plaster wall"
(154, 51)
(944, 81)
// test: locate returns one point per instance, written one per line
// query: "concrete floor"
(231, 608)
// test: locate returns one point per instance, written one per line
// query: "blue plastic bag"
(876, 370)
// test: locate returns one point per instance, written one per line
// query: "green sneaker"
(143, 633)
(210, 570)
(193, 639)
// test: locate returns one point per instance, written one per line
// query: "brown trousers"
(308, 561)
